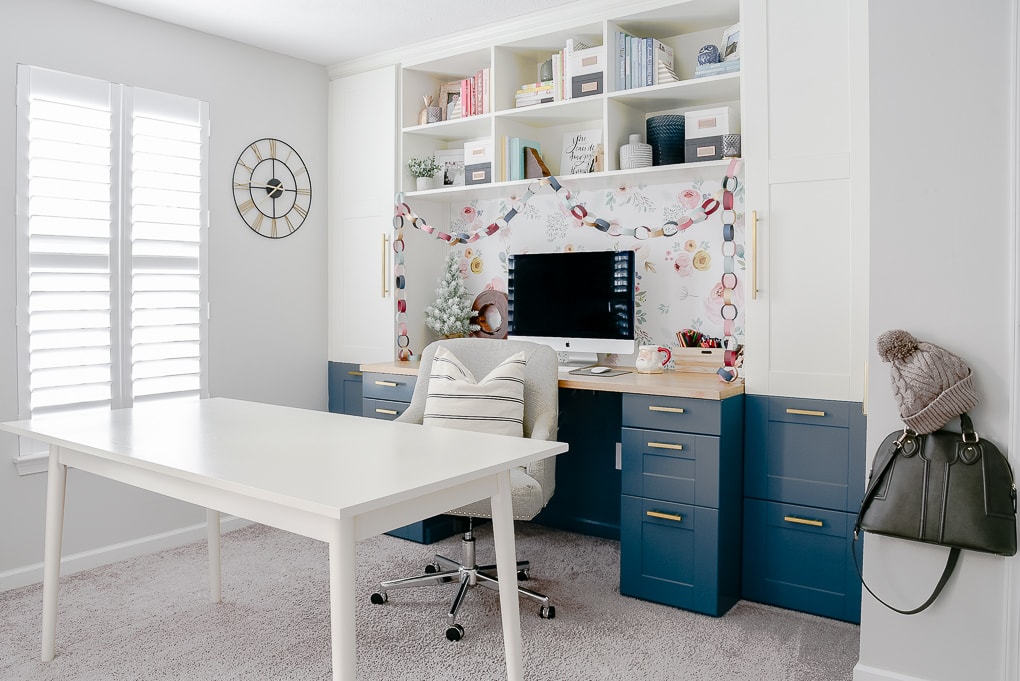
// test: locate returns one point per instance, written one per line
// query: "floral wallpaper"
(678, 277)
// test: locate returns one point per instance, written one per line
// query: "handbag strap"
(947, 572)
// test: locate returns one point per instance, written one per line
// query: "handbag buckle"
(974, 433)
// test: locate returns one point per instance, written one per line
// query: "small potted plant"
(424, 169)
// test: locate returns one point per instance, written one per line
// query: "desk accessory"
(586, 371)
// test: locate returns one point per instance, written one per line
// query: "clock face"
(272, 189)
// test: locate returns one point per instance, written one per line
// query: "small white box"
(478, 151)
(710, 122)
(590, 60)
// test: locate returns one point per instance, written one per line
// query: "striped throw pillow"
(493, 405)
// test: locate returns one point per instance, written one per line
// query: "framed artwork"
(730, 50)
(451, 162)
(581, 152)
(449, 100)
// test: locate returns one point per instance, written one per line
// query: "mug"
(649, 359)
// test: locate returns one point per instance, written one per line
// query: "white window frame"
(32, 458)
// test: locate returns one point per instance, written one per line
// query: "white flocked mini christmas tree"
(450, 315)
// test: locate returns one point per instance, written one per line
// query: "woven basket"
(666, 135)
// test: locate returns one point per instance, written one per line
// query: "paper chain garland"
(403, 215)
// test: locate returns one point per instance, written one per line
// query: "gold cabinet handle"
(802, 521)
(672, 410)
(385, 243)
(387, 384)
(391, 412)
(664, 445)
(354, 373)
(805, 412)
(754, 255)
(665, 516)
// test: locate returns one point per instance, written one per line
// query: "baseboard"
(863, 672)
(33, 574)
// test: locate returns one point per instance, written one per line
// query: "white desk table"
(335, 478)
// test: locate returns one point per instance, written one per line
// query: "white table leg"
(212, 530)
(342, 565)
(506, 568)
(55, 488)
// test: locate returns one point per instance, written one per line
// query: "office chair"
(531, 486)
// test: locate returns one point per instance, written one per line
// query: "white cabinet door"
(362, 162)
(804, 321)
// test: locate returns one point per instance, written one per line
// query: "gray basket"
(666, 135)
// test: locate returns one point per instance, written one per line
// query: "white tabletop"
(266, 451)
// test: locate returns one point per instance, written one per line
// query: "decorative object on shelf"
(579, 151)
(670, 228)
(272, 189)
(731, 43)
(424, 169)
(450, 315)
(534, 166)
(665, 134)
(650, 359)
(731, 146)
(433, 112)
(449, 100)
(490, 309)
(545, 72)
(708, 54)
(451, 172)
(635, 154)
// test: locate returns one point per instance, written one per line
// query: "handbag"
(945, 488)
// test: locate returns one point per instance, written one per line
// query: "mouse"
(599, 370)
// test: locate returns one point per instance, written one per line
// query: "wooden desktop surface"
(706, 386)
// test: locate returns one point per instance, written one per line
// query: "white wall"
(268, 297)
(940, 261)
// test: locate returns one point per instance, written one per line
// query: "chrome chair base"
(446, 570)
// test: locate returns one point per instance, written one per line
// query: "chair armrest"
(414, 413)
(545, 426)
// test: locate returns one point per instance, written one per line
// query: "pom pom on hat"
(932, 385)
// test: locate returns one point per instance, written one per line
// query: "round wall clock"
(272, 189)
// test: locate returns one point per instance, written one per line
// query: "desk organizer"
(698, 360)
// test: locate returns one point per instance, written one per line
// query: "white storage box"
(710, 122)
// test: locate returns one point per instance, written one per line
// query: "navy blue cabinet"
(386, 396)
(680, 503)
(344, 385)
(803, 482)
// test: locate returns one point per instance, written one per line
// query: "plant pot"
(424, 183)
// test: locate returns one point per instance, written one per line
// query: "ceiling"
(330, 32)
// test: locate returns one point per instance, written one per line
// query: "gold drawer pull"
(388, 384)
(391, 412)
(665, 516)
(802, 521)
(664, 445)
(805, 412)
(672, 410)
(353, 373)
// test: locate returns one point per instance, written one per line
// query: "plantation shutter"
(111, 265)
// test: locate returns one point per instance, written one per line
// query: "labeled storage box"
(710, 122)
(584, 86)
(478, 173)
(703, 149)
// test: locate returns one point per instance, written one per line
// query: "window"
(112, 218)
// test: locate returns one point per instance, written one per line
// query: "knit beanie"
(932, 385)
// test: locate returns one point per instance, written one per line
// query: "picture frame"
(581, 152)
(730, 48)
(452, 163)
(449, 100)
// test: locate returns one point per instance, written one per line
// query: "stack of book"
(561, 68)
(534, 93)
(717, 69)
(474, 94)
(637, 61)
(514, 156)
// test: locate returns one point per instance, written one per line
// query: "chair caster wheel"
(547, 612)
(523, 575)
(379, 598)
(431, 568)
(454, 633)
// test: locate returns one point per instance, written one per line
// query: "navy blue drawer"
(672, 413)
(678, 467)
(799, 558)
(388, 386)
(382, 409)
(676, 554)
(808, 452)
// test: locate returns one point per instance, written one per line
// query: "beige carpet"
(149, 618)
